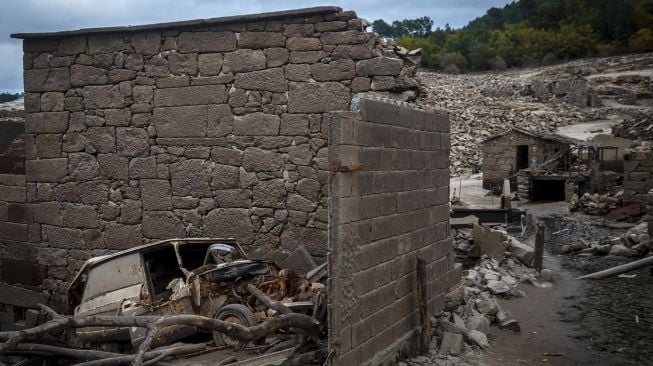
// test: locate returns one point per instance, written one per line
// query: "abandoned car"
(207, 277)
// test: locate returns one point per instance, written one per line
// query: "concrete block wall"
(213, 127)
(382, 218)
(500, 156)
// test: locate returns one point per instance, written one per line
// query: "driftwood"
(154, 324)
(614, 271)
(272, 304)
(152, 357)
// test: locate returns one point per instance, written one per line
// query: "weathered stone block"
(132, 142)
(103, 97)
(261, 40)
(59, 237)
(348, 37)
(48, 145)
(224, 155)
(72, 45)
(314, 240)
(142, 168)
(276, 57)
(13, 231)
(81, 75)
(52, 102)
(12, 194)
(80, 216)
(147, 43)
(229, 222)
(156, 194)
(113, 166)
(82, 166)
(183, 64)
(225, 177)
(118, 237)
(379, 66)
(93, 192)
(307, 57)
(46, 170)
(244, 61)
(270, 193)
(210, 64)
(304, 44)
(297, 72)
(162, 225)
(108, 43)
(318, 97)
(343, 69)
(187, 121)
(257, 124)
(46, 122)
(330, 26)
(259, 160)
(267, 80)
(203, 42)
(192, 95)
(130, 212)
(191, 178)
(102, 139)
(354, 52)
(44, 80)
(299, 30)
(233, 198)
(134, 62)
(220, 121)
(294, 124)
(52, 257)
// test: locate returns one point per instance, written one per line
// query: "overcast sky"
(54, 15)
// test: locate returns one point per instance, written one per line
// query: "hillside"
(481, 105)
(529, 33)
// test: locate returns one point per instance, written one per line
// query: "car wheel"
(233, 313)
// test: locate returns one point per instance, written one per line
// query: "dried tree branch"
(267, 301)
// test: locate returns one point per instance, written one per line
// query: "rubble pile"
(596, 204)
(470, 310)
(636, 128)
(635, 243)
(482, 105)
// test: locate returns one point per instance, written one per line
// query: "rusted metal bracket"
(346, 168)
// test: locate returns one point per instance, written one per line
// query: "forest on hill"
(529, 33)
(8, 97)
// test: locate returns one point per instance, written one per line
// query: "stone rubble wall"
(202, 131)
(638, 175)
(500, 154)
(383, 217)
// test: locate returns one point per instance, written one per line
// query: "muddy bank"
(613, 315)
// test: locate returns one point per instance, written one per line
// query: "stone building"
(506, 154)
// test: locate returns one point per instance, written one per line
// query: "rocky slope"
(485, 104)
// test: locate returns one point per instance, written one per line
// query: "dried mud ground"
(600, 323)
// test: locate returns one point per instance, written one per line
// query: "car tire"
(235, 313)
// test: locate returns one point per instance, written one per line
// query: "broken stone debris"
(636, 242)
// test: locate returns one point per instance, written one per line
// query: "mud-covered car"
(207, 277)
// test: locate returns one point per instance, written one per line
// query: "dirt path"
(545, 337)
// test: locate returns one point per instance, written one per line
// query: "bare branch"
(272, 304)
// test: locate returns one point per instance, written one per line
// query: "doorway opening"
(522, 157)
(549, 190)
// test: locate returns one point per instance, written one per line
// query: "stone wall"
(500, 156)
(208, 128)
(383, 216)
(638, 174)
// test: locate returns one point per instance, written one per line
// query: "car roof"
(95, 261)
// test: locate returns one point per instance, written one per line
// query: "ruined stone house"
(224, 127)
(505, 155)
